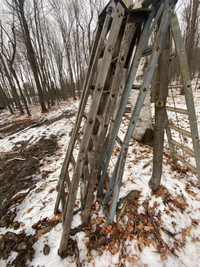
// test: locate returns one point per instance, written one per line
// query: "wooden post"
(160, 112)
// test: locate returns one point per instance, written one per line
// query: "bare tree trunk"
(20, 90)
(13, 89)
(5, 100)
(30, 51)
(160, 112)
(191, 18)
(192, 26)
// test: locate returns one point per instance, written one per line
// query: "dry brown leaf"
(155, 204)
(120, 228)
(148, 228)
(140, 226)
(29, 210)
(187, 231)
(90, 259)
(163, 256)
(131, 259)
(153, 212)
(141, 246)
(112, 243)
(93, 221)
(195, 222)
(114, 250)
(103, 229)
(148, 242)
(130, 229)
(100, 220)
(51, 190)
(99, 252)
(109, 227)
(56, 217)
(176, 246)
(114, 231)
(154, 244)
(141, 239)
(128, 209)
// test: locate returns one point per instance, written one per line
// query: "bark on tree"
(13, 89)
(20, 90)
(30, 50)
(10, 58)
(5, 100)
(160, 112)
(191, 19)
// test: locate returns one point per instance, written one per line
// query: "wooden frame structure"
(122, 36)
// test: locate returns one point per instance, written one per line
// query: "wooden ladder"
(122, 37)
(189, 112)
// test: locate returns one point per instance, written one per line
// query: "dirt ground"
(18, 166)
(17, 171)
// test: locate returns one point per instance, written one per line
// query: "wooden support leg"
(160, 112)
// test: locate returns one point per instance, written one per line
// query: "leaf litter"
(156, 228)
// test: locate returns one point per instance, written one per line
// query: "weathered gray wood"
(104, 118)
(175, 86)
(187, 164)
(184, 132)
(178, 110)
(116, 121)
(108, 112)
(107, 57)
(169, 137)
(161, 93)
(93, 62)
(164, 24)
(186, 149)
(180, 48)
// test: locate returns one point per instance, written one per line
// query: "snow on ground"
(176, 207)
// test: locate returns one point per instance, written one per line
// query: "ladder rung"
(90, 157)
(187, 150)
(114, 60)
(100, 118)
(184, 132)
(85, 115)
(127, 117)
(95, 139)
(172, 56)
(106, 92)
(63, 198)
(128, 110)
(147, 51)
(175, 86)
(178, 110)
(73, 162)
(147, 3)
(136, 87)
(178, 157)
(119, 141)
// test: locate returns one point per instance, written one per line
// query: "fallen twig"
(103, 242)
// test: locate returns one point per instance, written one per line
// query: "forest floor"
(159, 228)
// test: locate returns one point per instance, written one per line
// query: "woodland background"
(44, 49)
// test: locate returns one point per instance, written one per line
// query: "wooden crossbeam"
(178, 110)
(187, 164)
(125, 35)
(175, 86)
(184, 132)
(189, 151)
